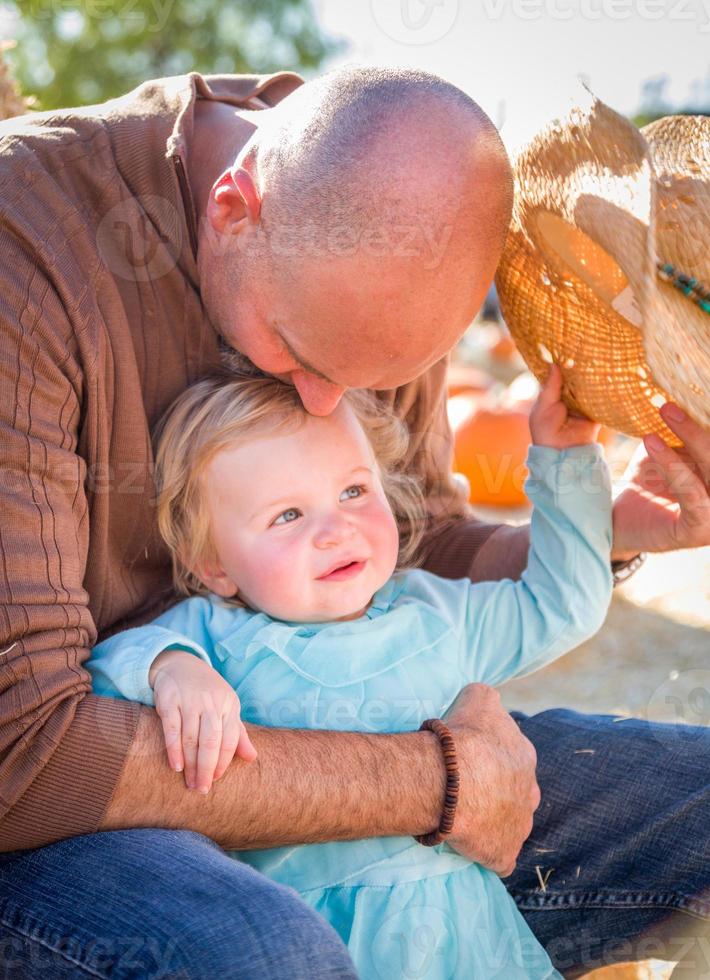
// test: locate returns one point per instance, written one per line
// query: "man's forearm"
(305, 786)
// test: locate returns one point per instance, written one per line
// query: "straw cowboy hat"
(606, 269)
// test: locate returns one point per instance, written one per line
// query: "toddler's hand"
(200, 715)
(550, 421)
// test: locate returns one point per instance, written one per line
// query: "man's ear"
(233, 202)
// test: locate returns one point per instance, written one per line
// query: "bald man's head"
(384, 197)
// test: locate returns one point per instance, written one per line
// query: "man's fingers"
(649, 475)
(695, 439)
(471, 699)
(680, 477)
(537, 798)
(690, 491)
(506, 872)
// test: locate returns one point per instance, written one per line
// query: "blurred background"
(515, 57)
(520, 59)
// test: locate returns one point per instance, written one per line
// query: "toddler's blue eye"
(289, 516)
(352, 492)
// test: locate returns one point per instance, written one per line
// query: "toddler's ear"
(211, 574)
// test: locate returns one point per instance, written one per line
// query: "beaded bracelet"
(451, 794)
(623, 570)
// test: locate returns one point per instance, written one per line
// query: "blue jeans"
(155, 903)
(618, 863)
(617, 868)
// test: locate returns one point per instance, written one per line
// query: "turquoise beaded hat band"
(688, 285)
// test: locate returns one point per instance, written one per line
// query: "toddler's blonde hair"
(227, 408)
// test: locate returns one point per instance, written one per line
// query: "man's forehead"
(356, 360)
(361, 350)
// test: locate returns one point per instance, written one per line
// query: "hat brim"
(577, 278)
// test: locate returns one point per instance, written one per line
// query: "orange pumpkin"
(490, 445)
(491, 440)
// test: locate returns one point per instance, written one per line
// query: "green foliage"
(76, 52)
(655, 104)
(644, 118)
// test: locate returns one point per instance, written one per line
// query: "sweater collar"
(242, 91)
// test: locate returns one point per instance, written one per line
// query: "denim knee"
(261, 930)
(155, 904)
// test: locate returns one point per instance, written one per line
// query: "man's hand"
(666, 502)
(499, 792)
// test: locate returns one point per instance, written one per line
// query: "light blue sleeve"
(119, 666)
(562, 598)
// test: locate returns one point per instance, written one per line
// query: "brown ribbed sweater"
(101, 325)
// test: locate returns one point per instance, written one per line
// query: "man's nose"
(334, 528)
(319, 397)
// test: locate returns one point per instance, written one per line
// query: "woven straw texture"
(677, 330)
(578, 275)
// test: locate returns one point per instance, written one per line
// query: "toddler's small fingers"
(190, 739)
(230, 741)
(552, 388)
(245, 748)
(208, 748)
(583, 430)
(171, 721)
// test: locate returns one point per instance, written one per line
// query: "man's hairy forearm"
(305, 786)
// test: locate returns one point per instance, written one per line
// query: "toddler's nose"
(333, 530)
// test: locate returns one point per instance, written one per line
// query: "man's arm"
(304, 786)
(471, 548)
(61, 749)
(308, 786)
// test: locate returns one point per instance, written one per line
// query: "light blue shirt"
(405, 660)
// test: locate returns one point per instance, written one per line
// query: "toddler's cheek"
(385, 539)
(285, 589)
